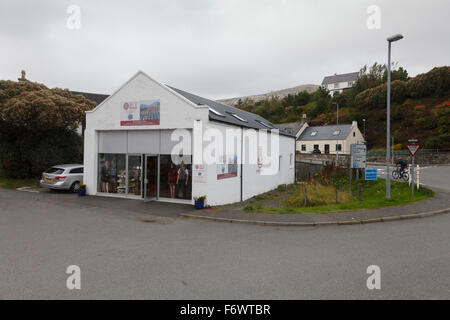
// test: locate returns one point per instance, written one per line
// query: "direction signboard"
(358, 156)
(413, 148)
(371, 173)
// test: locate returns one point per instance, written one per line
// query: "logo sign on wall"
(227, 169)
(140, 113)
(199, 173)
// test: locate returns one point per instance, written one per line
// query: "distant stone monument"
(23, 76)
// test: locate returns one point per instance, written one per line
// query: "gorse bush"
(434, 83)
(38, 127)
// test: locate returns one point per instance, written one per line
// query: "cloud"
(217, 48)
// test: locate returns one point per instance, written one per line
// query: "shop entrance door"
(151, 178)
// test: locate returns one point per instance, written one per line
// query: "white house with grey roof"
(141, 142)
(339, 82)
(328, 139)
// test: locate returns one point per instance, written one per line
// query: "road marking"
(27, 189)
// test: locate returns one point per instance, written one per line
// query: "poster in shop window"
(140, 113)
(227, 169)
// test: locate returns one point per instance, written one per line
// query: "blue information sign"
(371, 173)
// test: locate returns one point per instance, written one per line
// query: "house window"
(354, 134)
(303, 147)
(350, 83)
(279, 163)
(313, 133)
(339, 147)
(216, 112)
(238, 117)
(316, 147)
(336, 85)
(327, 148)
(291, 160)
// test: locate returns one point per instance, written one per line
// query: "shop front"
(139, 142)
(142, 175)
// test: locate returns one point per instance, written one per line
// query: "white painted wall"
(228, 190)
(221, 191)
(175, 112)
(339, 88)
(256, 183)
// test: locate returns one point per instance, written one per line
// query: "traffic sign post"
(357, 157)
(371, 174)
(412, 148)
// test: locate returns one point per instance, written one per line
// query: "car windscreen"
(54, 170)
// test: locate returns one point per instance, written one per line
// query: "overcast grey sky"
(215, 48)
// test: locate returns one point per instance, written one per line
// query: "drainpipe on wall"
(242, 161)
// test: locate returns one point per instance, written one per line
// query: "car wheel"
(75, 186)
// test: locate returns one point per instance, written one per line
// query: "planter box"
(81, 192)
(199, 205)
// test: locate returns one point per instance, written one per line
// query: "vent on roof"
(336, 132)
(216, 112)
(237, 117)
(313, 133)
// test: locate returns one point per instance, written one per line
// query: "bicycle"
(400, 173)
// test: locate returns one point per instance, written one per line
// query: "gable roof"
(291, 127)
(253, 121)
(96, 97)
(223, 113)
(326, 132)
(345, 77)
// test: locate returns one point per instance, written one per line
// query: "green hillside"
(420, 106)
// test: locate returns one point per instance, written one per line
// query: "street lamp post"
(337, 112)
(364, 122)
(337, 123)
(388, 118)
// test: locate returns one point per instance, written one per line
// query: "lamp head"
(395, 37)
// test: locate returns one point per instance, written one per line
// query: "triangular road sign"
(412, 148)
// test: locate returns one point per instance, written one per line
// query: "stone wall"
(420, 158)
(430, 158)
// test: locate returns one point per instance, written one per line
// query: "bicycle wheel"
(405, 176)
(395, 174)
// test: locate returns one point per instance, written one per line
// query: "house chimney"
(304, 116)
(354, 124)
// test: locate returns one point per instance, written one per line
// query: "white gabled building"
(339, 82)
(140, 142)
(328, 139)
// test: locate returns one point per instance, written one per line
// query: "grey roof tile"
(291, 127)
(345, 77)
(96, 97)
(326, 133)
(253, 120)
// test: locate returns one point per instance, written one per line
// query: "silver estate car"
(63, 177)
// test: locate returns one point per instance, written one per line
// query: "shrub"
(435, 83)
(38, 127)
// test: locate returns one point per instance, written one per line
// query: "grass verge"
(9, 183)
(322, 199)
